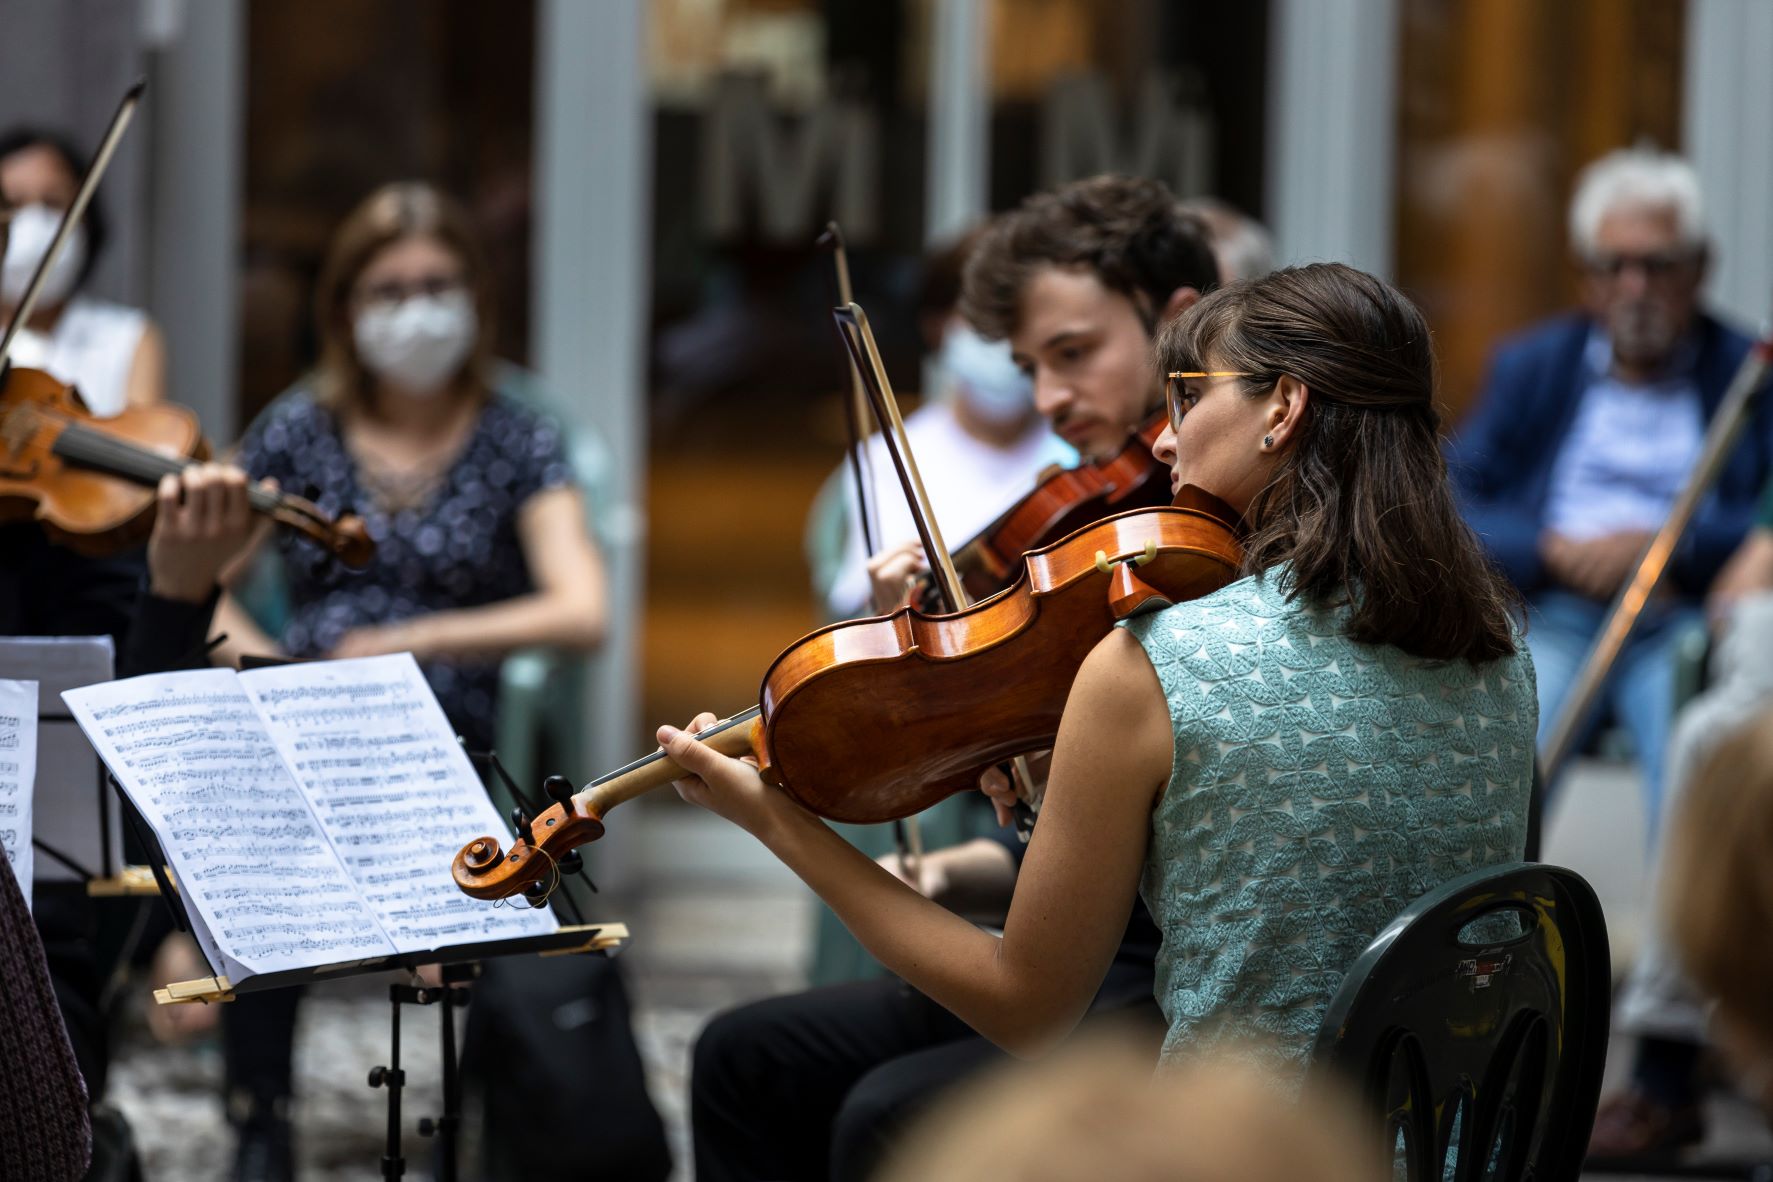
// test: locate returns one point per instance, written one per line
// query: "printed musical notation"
(18, 776)
(392, 789)
(310, 811)
(196, 759)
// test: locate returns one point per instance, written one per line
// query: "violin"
(91, 482)
(870, 720)
(1063, 501)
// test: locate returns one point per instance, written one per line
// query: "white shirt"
(91, 348)
(969, 483)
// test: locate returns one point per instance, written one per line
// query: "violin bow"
(858, 338)
(101, 160)
(856, 412)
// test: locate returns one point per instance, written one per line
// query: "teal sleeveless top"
(1319, 786)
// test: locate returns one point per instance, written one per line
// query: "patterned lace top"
(1319, 786)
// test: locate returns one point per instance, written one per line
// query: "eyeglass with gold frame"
(1173, 389)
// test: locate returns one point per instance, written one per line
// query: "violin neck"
(731, 736)
(102, 452)
(86, 448)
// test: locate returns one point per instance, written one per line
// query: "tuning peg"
(536, 895)
(559, 789)
(520, 822)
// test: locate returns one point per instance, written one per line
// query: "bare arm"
(244, 636)
(146, 384)
(1027, 988)
(566, 609)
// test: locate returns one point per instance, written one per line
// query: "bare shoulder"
(1117, 710)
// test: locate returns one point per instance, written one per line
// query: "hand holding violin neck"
(484, 870)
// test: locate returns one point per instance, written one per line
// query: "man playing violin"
(1078, 281)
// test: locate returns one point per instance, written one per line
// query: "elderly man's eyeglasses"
(1608, 264)
(1176, 399)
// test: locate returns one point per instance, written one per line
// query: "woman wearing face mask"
(481, 544)
(112, 353)
(481, 541)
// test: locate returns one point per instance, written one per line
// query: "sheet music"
(75, 812)
(18, 775)
(393, 790)
(251, 860)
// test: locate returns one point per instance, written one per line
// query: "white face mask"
(33, 229)
(418, 344)
(985, 376)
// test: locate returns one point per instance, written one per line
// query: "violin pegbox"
(483, 869)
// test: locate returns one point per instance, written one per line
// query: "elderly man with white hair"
(1588, 427)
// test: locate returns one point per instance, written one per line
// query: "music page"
(18, 774)
(393, 790)
(259, 877)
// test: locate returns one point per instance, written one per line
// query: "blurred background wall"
(650, 177)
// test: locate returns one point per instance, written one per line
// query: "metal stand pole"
(447, 1127)
(392, 1078)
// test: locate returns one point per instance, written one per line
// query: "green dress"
(1319, 786)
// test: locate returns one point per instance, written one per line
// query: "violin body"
(876, 719)
(91, 483)
(1062, 503)
(42, 478)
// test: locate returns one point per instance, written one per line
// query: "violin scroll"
(485, 870)
(344, 537)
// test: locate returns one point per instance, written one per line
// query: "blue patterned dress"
(1319, 786)
(455, 546)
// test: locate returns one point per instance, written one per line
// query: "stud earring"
(1268, 441)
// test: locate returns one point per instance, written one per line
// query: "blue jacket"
(1502, 460)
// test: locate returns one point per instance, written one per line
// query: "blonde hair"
(1717, 897)
(405, 209)
(1096, 1111)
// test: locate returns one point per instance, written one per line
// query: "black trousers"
(819, 1084)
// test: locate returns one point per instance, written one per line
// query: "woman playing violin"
(1278, 767)
(114, 354)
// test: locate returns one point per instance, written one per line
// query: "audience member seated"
(1661, 1108)
(481, 543)
(1097, 1112)
(1717, 898)
(1587, 428)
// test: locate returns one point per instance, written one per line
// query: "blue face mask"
(984, 376)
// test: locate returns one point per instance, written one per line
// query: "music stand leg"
(449, 1124)
(392, 1078)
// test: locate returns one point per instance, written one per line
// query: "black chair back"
(1476, 1023)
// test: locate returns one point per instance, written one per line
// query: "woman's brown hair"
(402, 210)
(1359, 508)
